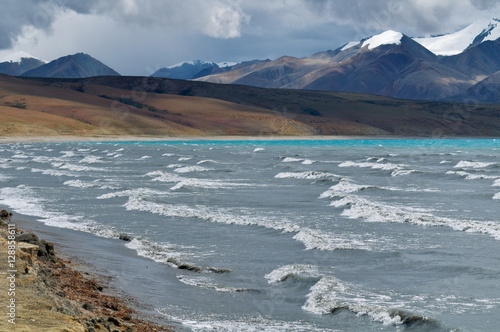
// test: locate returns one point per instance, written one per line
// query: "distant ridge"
(79, 65)
(439, 68)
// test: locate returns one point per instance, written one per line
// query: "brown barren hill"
(142, 106)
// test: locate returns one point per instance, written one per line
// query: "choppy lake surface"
(366, 235)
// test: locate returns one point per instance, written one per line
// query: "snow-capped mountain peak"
(388, 37)
(17, 57)
(202, 62)
(456, 43)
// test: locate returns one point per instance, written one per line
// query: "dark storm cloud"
(151, 33)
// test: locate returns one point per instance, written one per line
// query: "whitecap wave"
(470, 176)
(497, 196)
(311, 238)
(80, 184)
(343, 187)
(306, 175)
(297, 271)
(472, 164)
(361, 208)
(189, 169)
(206, 282)
(91, 160)
(291, 160)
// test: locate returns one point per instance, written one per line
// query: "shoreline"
(56, 294)
(132, 138)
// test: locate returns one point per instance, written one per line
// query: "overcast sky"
(136, 37)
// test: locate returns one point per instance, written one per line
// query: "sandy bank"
(39, 291)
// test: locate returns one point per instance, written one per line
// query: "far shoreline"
(132, 138)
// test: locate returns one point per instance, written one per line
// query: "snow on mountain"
(455, 43)
(202, 62)
(349, 45)
(17, 57)
(388, 37)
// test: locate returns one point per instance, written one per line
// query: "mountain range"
(72, 66)
(463, 66)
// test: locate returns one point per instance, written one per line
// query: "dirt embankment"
(41, 292)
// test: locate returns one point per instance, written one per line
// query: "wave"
(189, 169)
(496, 183)
(138, 192)
(54, 172)
(472, 164)
(308, 162)
(183, 182)
(360, 208)
(23, 200)
(168, 254)
(497, 196)
(343, 187)
(311, 238)
(207, 283)
(297, 271)
(397, 169)
(291, 160)
(470, 176)
(199, 322)
(382, 166)
(78, 168)
(258, 149)
(330, 294)
(91, 160)
(207, 161)
(306, 175)
(80, 184)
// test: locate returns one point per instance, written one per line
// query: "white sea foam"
(308, 162)
(189, 169)
(168, 155)
(80, 184)
(204, 323)
(91, 159)
(79, 168)
(206, 161)
(206, 282)
(184, 158)
(361, 208)
(470, 176)
(258, 149)
(159, 252)
(138, 192)
(175, 166)
(293, 271)
(291, 160)
(311, 238)
(305, 175)
(329, 294)
(497, 196)
(44, 159)
(23, 200)
(145, 157)
(182, 182)
(472, 164)
(54, 172)
(496, 183)
(397, 169)
(343, 187)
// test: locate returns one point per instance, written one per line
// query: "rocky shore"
(40, 291)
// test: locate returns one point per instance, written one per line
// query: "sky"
(137, 37)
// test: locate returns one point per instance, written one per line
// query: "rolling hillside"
(102, 106)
